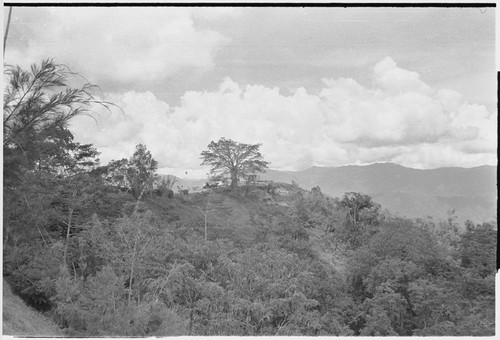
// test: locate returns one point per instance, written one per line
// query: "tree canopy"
(38, 103)
(233, 159)
(141, 170)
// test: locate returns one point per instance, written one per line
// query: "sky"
(314, 86)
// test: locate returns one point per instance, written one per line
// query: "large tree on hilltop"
(233, 159)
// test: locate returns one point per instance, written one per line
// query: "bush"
(32, 270)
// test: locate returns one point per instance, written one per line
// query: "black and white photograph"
(249, 169)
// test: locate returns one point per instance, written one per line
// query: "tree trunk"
(70, 220)
(206, 213)
(68, 224)
(207, 209)
(191, 322)
(234, 179)
(139, 200)
(132, 269)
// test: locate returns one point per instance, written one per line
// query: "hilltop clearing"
(228, 214)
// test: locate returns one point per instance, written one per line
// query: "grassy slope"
(21, 320)
(229, 214)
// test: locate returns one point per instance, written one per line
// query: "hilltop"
(229, 214)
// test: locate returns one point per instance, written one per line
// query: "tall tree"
(38, 103)
(477, 249)
(114, 173)
(233, 159)
(355, 202)
(141, 171)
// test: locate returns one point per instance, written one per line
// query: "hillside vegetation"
(20, 320)
(277, 260)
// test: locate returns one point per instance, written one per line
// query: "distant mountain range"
(472, 192)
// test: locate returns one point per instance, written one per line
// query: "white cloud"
(398, 80)
(119, 44)
(345, 123)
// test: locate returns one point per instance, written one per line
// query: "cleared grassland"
(21, 320)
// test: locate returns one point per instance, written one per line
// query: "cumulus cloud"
(119, 44)
(397, 80)
(400, 119)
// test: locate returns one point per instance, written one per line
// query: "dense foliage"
(86, 245)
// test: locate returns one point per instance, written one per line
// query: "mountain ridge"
(410, 192)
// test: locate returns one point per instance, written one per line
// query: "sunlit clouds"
(399, 119)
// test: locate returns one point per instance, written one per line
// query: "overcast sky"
(315, 86)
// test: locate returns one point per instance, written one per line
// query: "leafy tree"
(126, 245)
(165, 184)
(79, 197)
(381, 272)
(187, 288)
(73, 197)
(141, 171)
(114, 173)
(314, 209)
(27, 211)
(122, 295)
(435, 302)
(136, 175)
(408, 283)
(190, 279)
(98, 307)
(40, 153)
(284, 230)
(362, 219)
(270, 289)
(445, 233)
(32, 269)
(478, 249)
(38, 103)
(355, 202)
(46, 213)
(233, 159)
